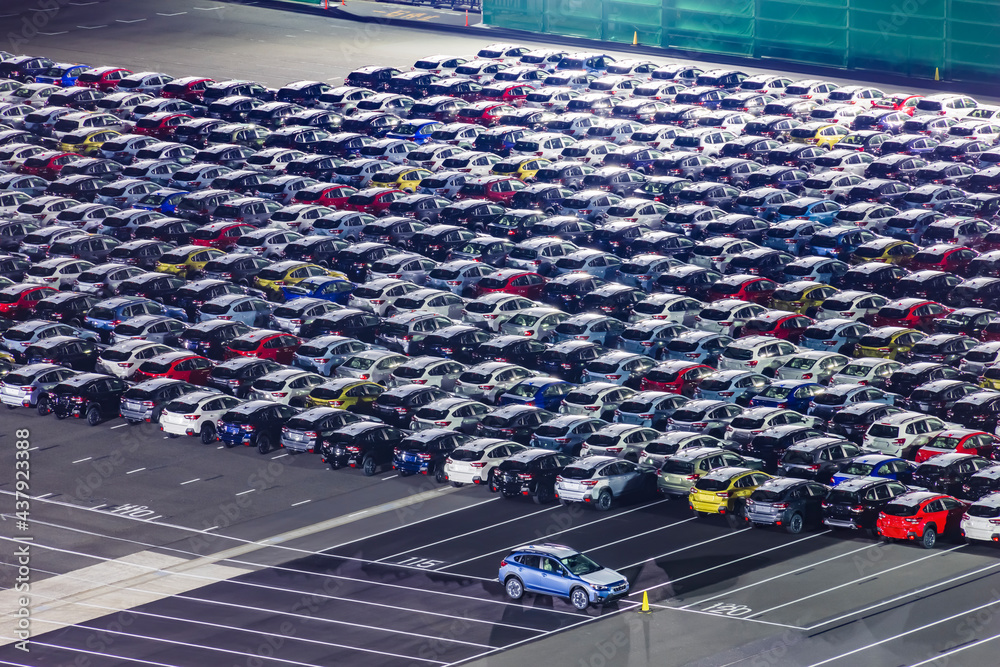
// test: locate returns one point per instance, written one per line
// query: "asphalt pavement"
(154, 551)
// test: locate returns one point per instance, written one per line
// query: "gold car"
(888, 342)
(405, 178)
(344, 393)
(289, 272)
(725, 491)
(520, 166)
(819, 133)
(887, 251)
(87, 142)
(188, 260)
(802, 296)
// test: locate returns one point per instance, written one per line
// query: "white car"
(489, 380)
(642, 211)
(59, 272)
(439, 64)
(9, 201)
(810, 89)
(982, 518)
(829, 184)
(472, 163)
(343, 98)
(538, 323)
(473, 462)
(285, 385)
(195, 414)
(705, 140)
(393, 151)
(588, 151)
(43, 210)
(33, 94)
(862, 371)
(861, 96)
(546, 145)
(845, 161)
(426, 370)
(618, 131)
(431, 156)
(123, 358)
(546, 59)
(23, 387)
(491, 310)
(297, 216)
(501, 52)
(668, 307)
(12, 156)
(378, 296)
(761, 354)
(901, 433)
(980, 130)
(551, 98)
(945, 104)
(851, 305)
(272, 160)
(573, 124)
(717, 252)
(731, 121)
(614, 84)
(430, 300)
(596, 399)
(725, 315)
(455, 414)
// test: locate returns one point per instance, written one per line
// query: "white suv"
(901, 433)
(473, 462)
(725, 315)
(761, 354)
(196, 414)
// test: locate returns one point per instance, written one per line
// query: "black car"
(473, 214)
(904, 380)
(855, 504)
(518, 224)
(242, 181)
(966, 321)
(14, 267)
(144, 402)
(236, 375)
(397, 405)
(425, 452)
(367, 445)
(691, 219)
(168, 230)
(681, 164)
(688, 280)
(455, 342)
(320, 167)
(93, 248)
(192, 295)
(144, 253)
(320, 250)
(372, 124)
(511, 349)
(209, 338)
(881, 190)
(240, 268)
(437, 241)
(254, 424)
(613, 299)
(943, 348)
(873, 277)
(92, 395)
(930, 284)
(156, 286)
(977, 292)
(948, 473)
(766, 262)
(750, 147)
(567, 360)
(513, 422)
(499, 140)
(817, 459)
(981, 483)
(302, 433)
(566, 291)
(531, 472)
(343, 145)
(77, 353)
(356, 260)
(853, 421)
(793, 504)
(770, 444)
(980, 410)
(12, 233)
(349, 322)
(68, 307)
(665, 188)
(195, 131)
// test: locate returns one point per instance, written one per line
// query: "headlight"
(599, 588)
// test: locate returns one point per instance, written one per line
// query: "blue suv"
(556, 570)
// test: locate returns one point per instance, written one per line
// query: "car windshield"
(580, 565)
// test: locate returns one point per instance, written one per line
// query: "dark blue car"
(792, 394)
(543, 392)
(330, 288)
(61, 74)
(417, 131)
(165, 201)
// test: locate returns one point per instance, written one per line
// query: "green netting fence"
(959, 38)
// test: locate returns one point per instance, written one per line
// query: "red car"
(486, 113)
(373, 200)
(920, 516)
(161, 124)
(778, 324)
(675, 376)
(910, 313)
(744, 287)
(498, 189)
(102, 78)
(190, 88)
(221, 235)
(512, 281)
(508, 93)
(178, 365)
(898, 102)
(264, 344)
(949, 257)
(18, 301)
(325, 194)
(48, 164)
(960, 441)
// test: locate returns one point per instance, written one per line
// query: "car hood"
(603, 577)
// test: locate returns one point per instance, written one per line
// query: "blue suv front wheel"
(514, 588)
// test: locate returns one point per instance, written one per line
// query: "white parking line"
(82, 460)
(279, 456)
(466, 534)
(301, 502)
(858, 580)
(49, 34)
(221, 447)
(243, 493)
(104, 655)
(728, 618)
(944, 655)
(43, 496)
(132, 21)
(885, 640)
(136, 470)
(632, 537)
(777, 576)
(389, 477)
(92, 27)
(119, 426)
(174, 14)
(196, 479)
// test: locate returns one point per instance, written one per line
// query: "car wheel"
(155, 417)
(603, 502)
(42, 407)
(172, 435)
(93, 415)
(60, 414)
(491, 482)
(699, 515)
(457, 485)
(579, 598)
(929, 538)
(368, 466)
(208, 434)
(439, 475)
(513, 588)
(542, 496)
(263, 443)
(795, 524)
(405, 473)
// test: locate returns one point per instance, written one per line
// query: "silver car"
(650, 337)
(812, 365)
(735, 386)
(104, 278)
(668, 444)
(704, 416)
(427, 370)
(598, 480)
(459, 276)
(154, 328)
(492, 310)
(624, 441)
(598, 399)
(324, 353)
(538, 323)
(287, 385)
(27, 386)
(294, 314)
(618, 367)
(744, 427)
(251, 310)
(650, 408)
(377, 296)
(490, 380)
(457, 414)
(124, 193)
(372, 365)
(403, 266)
(593, 327)
(21, 336)
(566, 433)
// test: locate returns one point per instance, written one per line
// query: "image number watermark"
(21, 557)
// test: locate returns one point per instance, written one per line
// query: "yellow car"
(188, 260)
(405, 178)
(725, 491)
(802, 296)
(289, 272)
(888, 342)
(344, 393)
(990, 379)
(822, 134)
(887, 251)
(520, 166)
(87, 142)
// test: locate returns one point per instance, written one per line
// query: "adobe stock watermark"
(33, 22)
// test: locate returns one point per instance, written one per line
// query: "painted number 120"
(726, 609)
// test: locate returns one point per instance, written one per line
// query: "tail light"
(354, 449)
(857, 509)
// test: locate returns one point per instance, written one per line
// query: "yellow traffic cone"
(635, 38)
(645, 603)
(937, 74)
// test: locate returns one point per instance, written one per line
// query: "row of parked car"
(515, 293)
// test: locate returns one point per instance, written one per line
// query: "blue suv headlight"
(599, 588)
